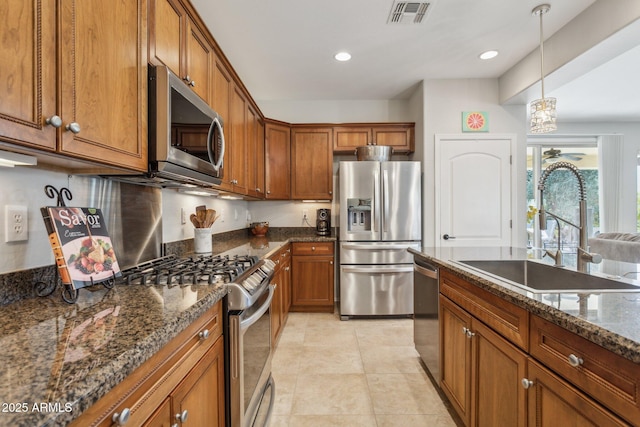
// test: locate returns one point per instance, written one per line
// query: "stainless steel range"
(247, 323)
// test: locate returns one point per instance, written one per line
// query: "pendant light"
(543, 110)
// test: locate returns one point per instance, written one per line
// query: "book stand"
(69, 292)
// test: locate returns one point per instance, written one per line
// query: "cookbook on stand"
(81, 245)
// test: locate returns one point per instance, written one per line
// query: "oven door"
(250, 359)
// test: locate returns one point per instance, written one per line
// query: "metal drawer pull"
(182, 417)
(121, 418)
(526, 383)
(468, 332)
(204, 334)
(575, 361)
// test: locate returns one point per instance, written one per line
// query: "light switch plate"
(16, 224)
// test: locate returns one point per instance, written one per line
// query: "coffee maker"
(323, 222)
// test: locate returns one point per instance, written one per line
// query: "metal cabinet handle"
(313, 248)
(192, 83)
(121, 418)
(468, 332)
(575, 361)
(526, 383)
(447, 237)
(258, 189)
(286, 269)
(54, 121)
(182, 417)
(187, 78)
(204, 334)
(73, 127)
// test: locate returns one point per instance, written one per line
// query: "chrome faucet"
(584, 257)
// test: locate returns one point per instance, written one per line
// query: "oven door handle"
(246, 323)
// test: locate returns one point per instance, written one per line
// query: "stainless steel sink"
(540, 278)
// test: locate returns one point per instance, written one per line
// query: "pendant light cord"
(541, 12)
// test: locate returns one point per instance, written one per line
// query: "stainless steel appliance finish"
(380, 153)
(380, 218)
(186, 137)
(133, 214)
(426, 330)
(248, 331)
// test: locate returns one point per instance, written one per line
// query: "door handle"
(447, 237)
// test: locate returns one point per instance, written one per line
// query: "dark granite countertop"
(69, 356)
(611, 319)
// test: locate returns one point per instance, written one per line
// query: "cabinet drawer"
(507, 319)
(607, 377)
(313, 248)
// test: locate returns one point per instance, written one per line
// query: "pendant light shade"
(543, 110)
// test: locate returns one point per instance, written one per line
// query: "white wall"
(444, 102)
(24, 186)
(336, 111)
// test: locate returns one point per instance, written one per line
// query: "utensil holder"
(202, 242)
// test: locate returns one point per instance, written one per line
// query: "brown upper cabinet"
(277, 160)
(255, 154)
(177, 42)
(57, 94)
(312, 163)
(400, 136)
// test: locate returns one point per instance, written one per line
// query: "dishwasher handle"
(426, 269)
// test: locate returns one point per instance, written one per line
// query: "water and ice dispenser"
(359, 214)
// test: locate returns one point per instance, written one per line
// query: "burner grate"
(197, 269)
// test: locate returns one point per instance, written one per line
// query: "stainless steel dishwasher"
(425, 324)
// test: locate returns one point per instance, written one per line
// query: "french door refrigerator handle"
(385, 200)
(375, 212)
(370, 247)
(370, 270)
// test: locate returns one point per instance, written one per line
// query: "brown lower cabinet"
(312, 277)
(493, 378)
(282, 295)
(184, 380)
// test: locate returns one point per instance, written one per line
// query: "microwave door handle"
(216, 124)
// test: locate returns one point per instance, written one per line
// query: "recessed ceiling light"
(342, 56)
(489, 54)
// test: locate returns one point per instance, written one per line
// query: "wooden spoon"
(195, 221)
(210, 218)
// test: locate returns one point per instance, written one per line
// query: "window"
(561, 193)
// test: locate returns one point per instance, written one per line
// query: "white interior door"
(473, 190)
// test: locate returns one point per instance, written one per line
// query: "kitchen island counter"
(611, 319)
(59, 359)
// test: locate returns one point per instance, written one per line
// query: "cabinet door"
(312, 163)
(398, 136)
(255, 154)
(278, 161)
(260, 159)
(221, 104)
(198, 71)
(28, 73)
(167, 22)
(161, 417)
(312, 283)
(237, 142)
(104, 81)
(201, 393)
(498, 398)
(553, 402)
(455, 357)
(347, 139)
(286, 286)
(276, 307)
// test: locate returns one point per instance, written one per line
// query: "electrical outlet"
(16, 224)
(183, 216)
(305, 214)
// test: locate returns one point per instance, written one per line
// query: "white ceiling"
(283, 49)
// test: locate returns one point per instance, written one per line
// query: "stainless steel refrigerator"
(380, 217)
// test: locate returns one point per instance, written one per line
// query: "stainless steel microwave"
(186, 137)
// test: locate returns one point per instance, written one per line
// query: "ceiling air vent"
(403, 12)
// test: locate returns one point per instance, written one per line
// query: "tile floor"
(352, 373)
